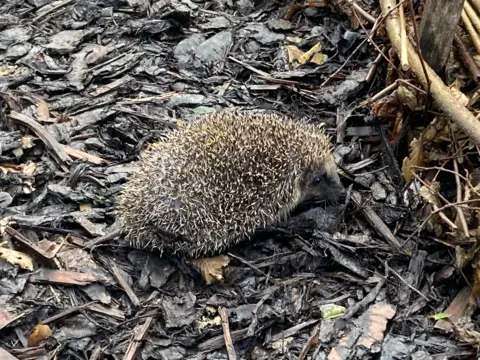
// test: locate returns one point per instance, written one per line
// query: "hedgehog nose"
(342, 193)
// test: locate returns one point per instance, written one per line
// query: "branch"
(440, 92)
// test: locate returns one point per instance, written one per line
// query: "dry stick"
(435, 206)
(442, 169)
(50, 142)
(362, 12)
(461, 215)
(373, 68)
(312, 340)
(439, 91)
(55, 8)
(392, 87)
(367, 39)
(226, 333)
(139, 333)
(472, 15)
(476, 4)
(467, 58)
(429, 187)
(408, 285)
(471, 31)
(403, 40)
(439, 210)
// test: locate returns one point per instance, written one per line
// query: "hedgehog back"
(217, 180)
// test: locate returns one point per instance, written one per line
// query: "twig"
(139, 334)
(392, 87)
(252, 266)
(435, 206)
(476, 4)
(122, 281)
(374, 220)
(467, 59)
(403, 40)
(50, 142)
(67, 312)
(439, 210)
(445, 218)
(371, 296)
(226, 333)
(292, 331)
(407, 284)
(461, 215)
(472, 15)
(429, 187)
(252, 327)
(440, 92)
(471, 31)
(442, 169)
(373, 68)
(368, 38)
(380, 51)
(55, 8)
(362, 12)
(101, 239)
(251, 68)
(311, 340)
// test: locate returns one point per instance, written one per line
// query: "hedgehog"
(212, 183)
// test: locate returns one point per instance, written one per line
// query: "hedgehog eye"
(317, 180)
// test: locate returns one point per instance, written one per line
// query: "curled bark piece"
(441, 94)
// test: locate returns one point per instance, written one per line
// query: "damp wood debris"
(391, 271)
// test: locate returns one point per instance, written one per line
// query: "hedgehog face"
(321, 182)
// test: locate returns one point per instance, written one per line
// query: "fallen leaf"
(96, 54)
(211, 268)
(204, 322)
(408, 98)
(315, 50)
(439, 316)
(457, 94)
(6, 221)
(27, 142)
(85, 206)
(26, 169)
(331, 311)
(281, 344)
(465, 332)
(388, 107)
(212, 318)
(29, 169)
(16, 258)
(298, 57)
(7, 70)
(415, 159)
(476, 281)
(463, 257)
(462, 306)
(39, 333)
(394, 134)
(429, 194)
(42, 109)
